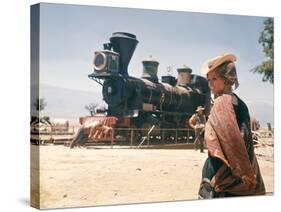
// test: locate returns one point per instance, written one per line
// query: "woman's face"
(216, 83)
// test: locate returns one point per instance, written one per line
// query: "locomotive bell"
(184, 76)
(150, 68)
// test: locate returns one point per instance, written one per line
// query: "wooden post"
(176, 136)
(132, 137)
(112, 138)
(187, 134)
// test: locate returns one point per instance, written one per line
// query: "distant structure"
(270, 130)
(255, 125)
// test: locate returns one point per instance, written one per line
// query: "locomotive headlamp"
(99, 61)
(106, 61)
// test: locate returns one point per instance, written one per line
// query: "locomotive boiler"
(146, 101)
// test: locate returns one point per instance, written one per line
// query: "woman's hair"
(227, 71)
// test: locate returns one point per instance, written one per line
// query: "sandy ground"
(88, 177)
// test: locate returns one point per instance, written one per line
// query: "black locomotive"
(144, 102)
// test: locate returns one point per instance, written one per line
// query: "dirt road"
(87, 177)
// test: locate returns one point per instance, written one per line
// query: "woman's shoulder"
(240, 102)
(222, 99)
(222, 102)
(230, 99)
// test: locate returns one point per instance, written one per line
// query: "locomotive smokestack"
(150, 68)
(124, 44)
(184, 76)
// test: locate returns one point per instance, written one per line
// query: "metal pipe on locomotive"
(144, 102)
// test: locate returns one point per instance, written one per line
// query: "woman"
(231, 168)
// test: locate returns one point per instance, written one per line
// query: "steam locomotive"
(145, 102)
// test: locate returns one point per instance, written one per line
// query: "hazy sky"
(69, 36)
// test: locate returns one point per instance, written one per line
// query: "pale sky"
(69, 36)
